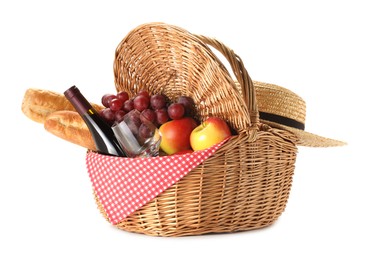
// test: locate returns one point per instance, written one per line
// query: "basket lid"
(167, 59)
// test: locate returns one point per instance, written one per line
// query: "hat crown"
(280, 101)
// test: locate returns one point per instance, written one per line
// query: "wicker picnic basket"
(245, 185)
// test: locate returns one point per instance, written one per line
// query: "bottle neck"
(75, 97)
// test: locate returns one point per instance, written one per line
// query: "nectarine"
(175, 135)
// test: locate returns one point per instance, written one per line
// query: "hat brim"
(305, 138)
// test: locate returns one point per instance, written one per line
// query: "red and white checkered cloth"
(123, 185)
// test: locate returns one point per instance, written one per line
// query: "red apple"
(175, 135)
(210, 132)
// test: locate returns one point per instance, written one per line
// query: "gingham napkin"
(123, 185)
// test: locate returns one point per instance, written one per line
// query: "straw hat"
(281, 108)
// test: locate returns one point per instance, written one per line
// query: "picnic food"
(69, 126)
(60, 118)
(175, 135)
(103, 136)
(37, 104)
(212, 131)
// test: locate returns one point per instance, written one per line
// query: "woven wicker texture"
(246, 183)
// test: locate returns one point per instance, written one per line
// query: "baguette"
(38, 104)
(70, 126)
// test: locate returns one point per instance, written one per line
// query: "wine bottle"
(102, 133)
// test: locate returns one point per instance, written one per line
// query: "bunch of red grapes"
(155, 108)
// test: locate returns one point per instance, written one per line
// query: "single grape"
(116, 104)
(123, 96)
(148, 115)
(105, 100)
(144, 93)
(128, 105)
(188, 104)
(145, 131)
(134, 122)
(108, 115)
(119, 115)
(141, 102)
(162, 116)
(158, 101)
(176, 111)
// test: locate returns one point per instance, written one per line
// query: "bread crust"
(70, 126)
(37, 104)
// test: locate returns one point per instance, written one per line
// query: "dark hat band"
(281, 120)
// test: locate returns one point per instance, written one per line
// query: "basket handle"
(241, 74)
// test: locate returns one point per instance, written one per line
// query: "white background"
(318, 49)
